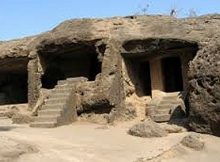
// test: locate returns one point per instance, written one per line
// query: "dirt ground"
(87, 142)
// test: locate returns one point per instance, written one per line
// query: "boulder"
(147, 129)
(204, 90)
(193, 141)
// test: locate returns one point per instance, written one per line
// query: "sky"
(20, 18)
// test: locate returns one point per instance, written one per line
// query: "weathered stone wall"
(116, 88)
(131, 83)
(186, 58)
(145, 34)
(104, 95)
(204, 89)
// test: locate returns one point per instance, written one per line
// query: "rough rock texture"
(147, 129)
(115, 38)
(10, 112)
(15, 48)
(94, 118)
(193, 141)
(172, 128)
(205, 89)
(22, 118)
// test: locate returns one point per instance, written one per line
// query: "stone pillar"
(156, 78)
(34, 82)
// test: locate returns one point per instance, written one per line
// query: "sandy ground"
(87, 142)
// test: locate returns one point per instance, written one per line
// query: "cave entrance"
(168, 63)
(68, 63)
(13, 81)
(140, 75)
(172, 74)
(145, 78)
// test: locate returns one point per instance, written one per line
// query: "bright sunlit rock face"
(116, 69)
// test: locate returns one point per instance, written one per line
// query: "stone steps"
(170, 97)
(52, 106)
(164, 106)
(173, 101)
(43, 124)
(61, 82)
(56, 101)
(54, 112)
(60, 107)
(72, 80)
(47, 118)
(163, 111)
(161, 117)
(60, 95)
(64, 86)
(61, 90)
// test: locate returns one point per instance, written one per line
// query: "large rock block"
(204, 94)
(147, 129)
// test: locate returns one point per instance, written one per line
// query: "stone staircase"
(60, 107)
(166, 107)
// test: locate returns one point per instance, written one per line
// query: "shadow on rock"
(6, 128)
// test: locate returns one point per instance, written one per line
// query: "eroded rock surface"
(205, 90)
(172, 128)
(193, 141)
(147, 129)
(113, 39)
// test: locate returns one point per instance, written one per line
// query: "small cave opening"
(13, 81)
(172, 74)
(79, 61)
(145, 78)
(140, 75)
